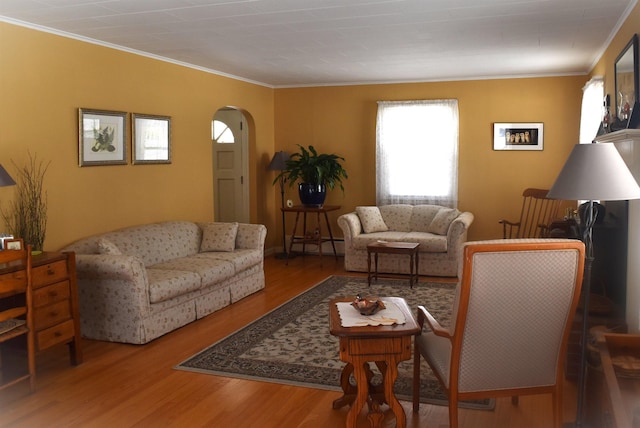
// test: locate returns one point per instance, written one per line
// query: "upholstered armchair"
(510, 323)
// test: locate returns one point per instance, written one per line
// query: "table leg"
(362, 395)
(319, 237)
(417, 266)
(333, 243)
(304, 233)
(390, 376)
(411, 263)
(293, 236)
(369, 267)
(375, 276)
(349, 391)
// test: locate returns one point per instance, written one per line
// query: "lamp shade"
(279, 161)
(5, 178)
(595, 172)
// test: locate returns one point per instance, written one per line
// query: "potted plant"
(315, 173)
(26, 217)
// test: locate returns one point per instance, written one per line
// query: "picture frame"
(102, 136)
(518, 136)
(151, 139)
(13, 244)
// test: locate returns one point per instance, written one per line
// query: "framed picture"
(518, 136)
(151, 141)
(13, 244)
(102, 137)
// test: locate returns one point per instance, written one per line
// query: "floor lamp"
(279, 163)
(592, 172)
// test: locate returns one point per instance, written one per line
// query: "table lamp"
(592, 172)
(279, 163)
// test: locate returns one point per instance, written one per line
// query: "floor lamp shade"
(5, 178)
(279, 161)
(595, 172)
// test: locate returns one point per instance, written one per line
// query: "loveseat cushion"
(166, 284)
(397, 217)
(429, 242)
(219, 237)
(106, 246)
(422, 216)
(371, 219)
(210, 271)
(441, 222)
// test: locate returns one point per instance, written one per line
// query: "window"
(592, 109)
(221, 133)
(417, 152)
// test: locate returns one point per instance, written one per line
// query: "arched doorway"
(229, 134)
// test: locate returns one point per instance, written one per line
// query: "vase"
(312, 195)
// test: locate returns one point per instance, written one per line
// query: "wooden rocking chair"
(538, 212)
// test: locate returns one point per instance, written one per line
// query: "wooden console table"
(316, 239)
(387, 346)
(408, 248)
(56, 316)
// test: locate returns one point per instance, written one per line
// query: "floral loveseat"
(440, 231)
(138, 283)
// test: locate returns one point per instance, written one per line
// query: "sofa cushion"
(166, 284)
(219, 237)
(211, 271)
(371, 219)
(397, 217)
(105, 246)
(442, 220)
(241, 259)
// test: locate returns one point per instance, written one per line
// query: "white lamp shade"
(595, 172)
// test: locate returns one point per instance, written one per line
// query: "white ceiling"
(318, 42)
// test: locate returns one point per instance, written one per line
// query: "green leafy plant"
(26, 217)
(308, 166)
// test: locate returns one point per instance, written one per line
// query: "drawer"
(51, 294)
(47, 316)
(379, 346)
(53, 335)
(49, 273)
(13, 281)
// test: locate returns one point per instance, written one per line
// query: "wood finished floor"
(121, 385)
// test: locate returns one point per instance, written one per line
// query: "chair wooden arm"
(434, 325)
(509, 233)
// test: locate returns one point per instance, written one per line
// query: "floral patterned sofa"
(440, 231)
(138, 283)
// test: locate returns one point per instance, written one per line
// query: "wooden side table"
(317, 239)
(387, 346)
(408, 248)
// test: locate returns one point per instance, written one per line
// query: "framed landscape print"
(518, 136)
(102, 137)
(151, 140)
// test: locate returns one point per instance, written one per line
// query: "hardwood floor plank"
(121, 385)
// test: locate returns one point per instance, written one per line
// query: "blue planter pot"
(312, 195)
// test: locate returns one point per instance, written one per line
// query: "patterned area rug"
(292, 343)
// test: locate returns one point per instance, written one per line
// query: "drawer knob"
(50, 271)
(53, 293)
(57, 334)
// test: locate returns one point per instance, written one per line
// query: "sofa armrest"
(351, 227)
(112, 281)
(457, 234)
(251, 236)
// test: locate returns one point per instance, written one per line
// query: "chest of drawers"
(55, 302)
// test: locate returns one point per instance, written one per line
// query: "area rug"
(292, 344)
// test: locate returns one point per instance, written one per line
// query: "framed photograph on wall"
(102, 136)
(151, 140)
(518, 136)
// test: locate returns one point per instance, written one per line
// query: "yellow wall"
(45, 78)
(342, 119)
